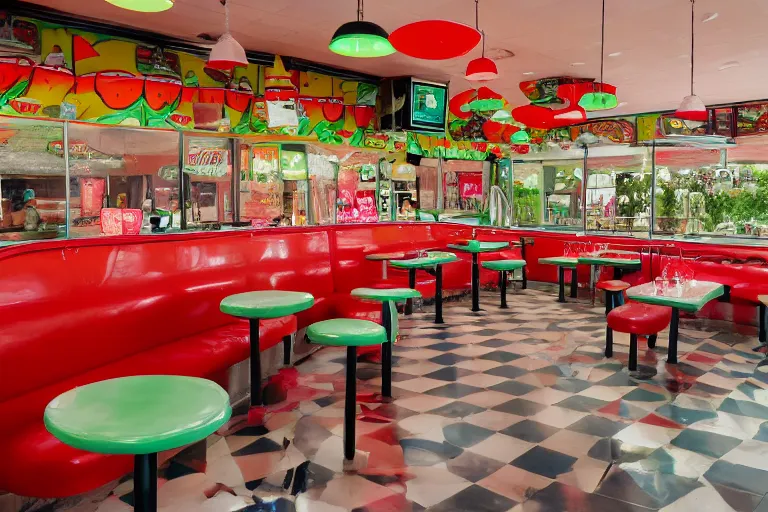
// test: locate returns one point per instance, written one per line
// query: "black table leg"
(761, 312)
(412, 286)
(525, 278)
(574, 283)
(652, 340)
(438, 294)
(632, 352)
(617, 273)
(608, 342)
(350, 404)
(673, 326)
(256, 398)
(386, 350)
(503, 288)
(475, 283)
(145, 483)
(287, 350)
(561, 281)
(608, 302)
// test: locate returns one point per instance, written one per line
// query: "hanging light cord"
(693, 3)
(602, 50)
(477, 23)
(360, 10)
(226, 16)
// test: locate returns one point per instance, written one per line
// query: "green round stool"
(563, 262)
(345, 332)
(388, 298)
(138, 416)
(504, 266)
(256, 306)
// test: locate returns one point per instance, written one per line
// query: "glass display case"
(357, 184)
(208, 181)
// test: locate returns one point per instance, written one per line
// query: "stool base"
(145, 483)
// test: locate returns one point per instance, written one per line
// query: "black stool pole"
(438, 294)
(574, 283)
(561, 280)
(475, 283)
(350, 404)
(287, 350)
(256, 398)
(386, 350)
(412, 286)
(632, 352)
(673, 327)
(503, 287)
(145, 482)
(761, 336)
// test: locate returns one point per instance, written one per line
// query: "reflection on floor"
(503, 410)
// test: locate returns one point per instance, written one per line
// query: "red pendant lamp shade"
(227, 52)
(481, 70)
(692, 108)
(435, 39)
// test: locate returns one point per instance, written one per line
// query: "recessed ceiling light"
(528, 73)
(622, 104)
(709, 16)
(577, 63)
(614, 54)
(729, 64)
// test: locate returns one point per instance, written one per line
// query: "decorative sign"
(752, 119)
(266, 163)
(120, 221)
(619, 131)
(471, 185)
(91, 196)
(366, 206)
(293, 165)
(207, 162)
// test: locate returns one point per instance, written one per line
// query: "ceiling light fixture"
(143, 5)
(227, 53)
(614, 54)
(728, 65)
(482, 69)
(528, 73)
(600, 100)
(577, 63)
(692, 110)
(709, 17)
(361, 38)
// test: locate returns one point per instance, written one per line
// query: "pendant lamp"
(482, 69)
(361, 38)
(143, 5)
(692, 110)
(227, 52)
(599, 100)
(520, 137)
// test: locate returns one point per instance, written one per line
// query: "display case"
(209, 184)
(260, 187)
(357, 185)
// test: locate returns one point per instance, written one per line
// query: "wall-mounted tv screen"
(428, 105)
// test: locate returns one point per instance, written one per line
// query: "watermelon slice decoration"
(363, 115)
(211, 95)
(238, 100)
(333, 111)
(13, 70)
(118, 90)
(161, 92)
(463, 98)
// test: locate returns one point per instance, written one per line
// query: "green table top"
(383, 256)
(692, 297)
(432, 259)
(266, 304)
(611, 259)
(560, 261)
(503, 264)
(138, 415)
(480, 247)
(386, 294)
(346, 332)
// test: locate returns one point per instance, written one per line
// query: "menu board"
(428, 107)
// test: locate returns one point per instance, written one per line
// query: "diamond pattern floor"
(503, 410)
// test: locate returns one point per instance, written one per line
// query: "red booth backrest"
(71, 306)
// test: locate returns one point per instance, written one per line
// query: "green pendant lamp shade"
(598, 101)
(143, 5)
(520, 137)
(361, 39)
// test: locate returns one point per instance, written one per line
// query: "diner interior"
(447, 256)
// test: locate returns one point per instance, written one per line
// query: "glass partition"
(619, 189)
(260, 189)
(323, 173)
(358, 177)
(33, 180)
(208, 181)
(527, 197)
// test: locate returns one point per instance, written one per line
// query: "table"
(433, 263)
(562, 263)
(388, 297)
(384, 257)
(613, 259)
(138, 416)
(691, 298)
(258, 305)
(475, 248)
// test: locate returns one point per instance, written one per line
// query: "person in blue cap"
(31, 215)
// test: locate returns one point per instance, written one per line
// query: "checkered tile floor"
(504, 410)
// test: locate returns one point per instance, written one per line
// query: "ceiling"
(547, 37)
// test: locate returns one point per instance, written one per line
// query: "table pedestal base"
(673, 329)
(256, 397)
(145, 483)
(386, 350)
(475, 283)
(350, 405)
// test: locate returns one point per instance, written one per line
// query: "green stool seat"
(562, 263)
(350, 333)
(475, 247)
(388, 297)
(138, 416)
(432, 263)
(263, 304)
(504, 266)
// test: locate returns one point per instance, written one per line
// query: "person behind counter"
(31, 215)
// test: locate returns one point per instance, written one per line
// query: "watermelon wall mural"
(54, 71)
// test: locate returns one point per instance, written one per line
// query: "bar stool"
(636, 318)
(563, 262)
(504, 266)
(614, 297)
(255, 306)
(388, 298)
(138, 416)
(350, 333)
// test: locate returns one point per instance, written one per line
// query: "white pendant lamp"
(143, 5)
(482, 69)
(227, 53)
(692, 110)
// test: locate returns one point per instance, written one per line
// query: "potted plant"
(668, 205)
(632, 194)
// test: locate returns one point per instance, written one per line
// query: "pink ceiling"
(546, 36)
